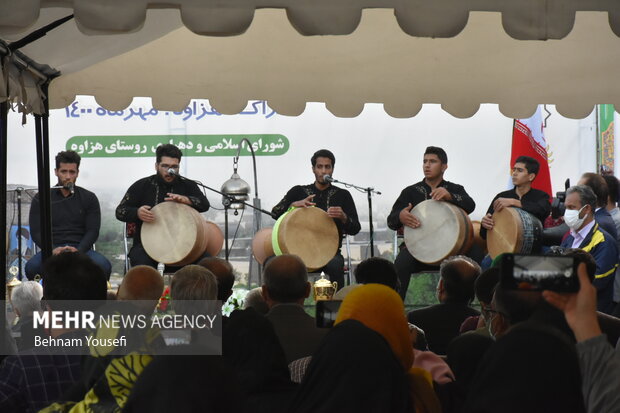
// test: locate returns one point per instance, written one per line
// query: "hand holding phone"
(539, 272)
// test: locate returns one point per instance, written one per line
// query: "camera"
(557, 203)
(539, 272)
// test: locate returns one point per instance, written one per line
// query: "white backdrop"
(372, 149)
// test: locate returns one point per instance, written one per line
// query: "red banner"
(528, 140)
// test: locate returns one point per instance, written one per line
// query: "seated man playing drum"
(523, 196)
(433, 187)
(531, 200)
(147, 192)
(337, 202)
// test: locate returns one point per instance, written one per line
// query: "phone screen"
(326, 312)
(539, 272)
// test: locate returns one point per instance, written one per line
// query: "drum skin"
(445, 230)
(178, 236)
(514, 230)
(308, 233)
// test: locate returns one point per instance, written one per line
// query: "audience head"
(484, 287)
(213, 387)
(193, 283)
(285, 280)
(534, 368)
(355, 370)
(73, 276)
(585, 196)
(26, 298)
(511, 307)
(224, 275)
(457, 277)
(381, 309)
(252, 348)
(612, 188)
(598, 185)
(377, 270)
(485, 284)
(142, 283)
(254, 299)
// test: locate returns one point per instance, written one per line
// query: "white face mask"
(571, 217)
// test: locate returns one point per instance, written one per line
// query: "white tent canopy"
(269, 57)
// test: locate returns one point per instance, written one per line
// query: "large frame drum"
(514, 230)
(178, 236)
(444, 230)
(306, 232)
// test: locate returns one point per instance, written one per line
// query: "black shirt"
(330, 197)
(535, 201)
(416, 193)
(76, 219)
(151, 191)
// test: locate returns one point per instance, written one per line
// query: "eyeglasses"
(166, 166)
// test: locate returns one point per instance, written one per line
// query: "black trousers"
(406, 264)
(335, 269)
(138, 256)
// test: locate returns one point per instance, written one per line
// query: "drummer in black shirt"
(337, 202)
(523, 196)
(434, 187)
(144, 194)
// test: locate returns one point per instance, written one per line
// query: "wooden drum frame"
(514, 230)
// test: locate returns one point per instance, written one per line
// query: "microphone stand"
(18, 231)
(369, 191)
(229, 199)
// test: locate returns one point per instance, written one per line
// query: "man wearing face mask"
(586, 234)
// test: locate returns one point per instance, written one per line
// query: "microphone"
(328, 178)
(173, 172)
(71, 187)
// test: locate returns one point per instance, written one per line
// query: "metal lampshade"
(236, 188)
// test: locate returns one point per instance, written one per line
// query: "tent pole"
(43, 165)
(4, 110)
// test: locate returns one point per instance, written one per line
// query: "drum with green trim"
(306, 232)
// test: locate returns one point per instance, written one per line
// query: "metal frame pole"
(43, 169)
(4, 111)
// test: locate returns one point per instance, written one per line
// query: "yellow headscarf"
(381, 309)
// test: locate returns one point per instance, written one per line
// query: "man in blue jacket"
(586, 234)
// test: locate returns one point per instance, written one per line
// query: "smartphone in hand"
(539, 272)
